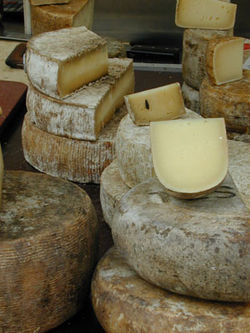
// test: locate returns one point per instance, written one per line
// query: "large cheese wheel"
(48, 236)
(123, 302)
(230, 101)
(76, 160)
(191, 97)
(195, 43)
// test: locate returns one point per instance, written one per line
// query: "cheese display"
(133, 150)
(83, 114)
(225, 60)
(112, 189)
(48, 241)
(230, 101)
(47, 2)
(195, 42)
(77, 160)
(58, 16)
(160, 103)
(191, 97)
(190, 156)
(123, 302)
(205, 14)
(59, 62)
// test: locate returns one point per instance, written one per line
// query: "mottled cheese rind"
(191, 97)
(123, 302)
(77, 160)
(83, 114)
(48, 243)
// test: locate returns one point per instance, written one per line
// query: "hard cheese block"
(199, 248)
(230, 101)
(225, 60)
(48, 238)
(123, 302)
(77, 160)
(205, 14)
(190, 156)
(191, 97)
(59, 62)
(160, 103)
(195, 42)
(58, 16)
(83, 114)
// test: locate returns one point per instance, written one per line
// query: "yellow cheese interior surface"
(85, 16)
(205, 14)
(82, 70)
(189, 155)
(228, 61)
(161, 103)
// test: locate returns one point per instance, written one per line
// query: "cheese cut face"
(59, 62)
(205, 14)
(190, 157)
(156, 104)
(225, 60)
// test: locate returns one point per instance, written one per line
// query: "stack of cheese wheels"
(75, 90)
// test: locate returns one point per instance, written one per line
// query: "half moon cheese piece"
(190, 156)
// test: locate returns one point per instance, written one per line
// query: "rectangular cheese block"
(60, 62)
(225, 59)
(156, 104)
(190, 156)
(47, 2)
(205, 14)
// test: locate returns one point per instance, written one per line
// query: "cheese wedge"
(156, 104)
(205, 14)
(190, 157)
(225, 59)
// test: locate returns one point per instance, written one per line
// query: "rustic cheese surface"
(191, 97)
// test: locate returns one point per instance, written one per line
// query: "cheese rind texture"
(191, 97)
(205, 14)
(59, 62)
(77, 160)
(83, 114)
(156, 104)
(190, 157)
(48, 243)
(137, 306)
(225, 60)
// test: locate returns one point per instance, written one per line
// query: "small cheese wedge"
(225, 59)
(1, 174)
(190, 156)
(205, 14)
(156, 104)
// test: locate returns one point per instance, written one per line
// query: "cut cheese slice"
(190, 157)
(59, 62)
(156, 104)
(58, 16)
(205, 14)
(225, 60)
(83, 114)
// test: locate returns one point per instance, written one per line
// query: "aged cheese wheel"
(123, 302)
(53, 17)
(112, 189)
(48, 236)
(83, 114)
(195, 43)
(191, 97)
(76, 160)
(230, 100)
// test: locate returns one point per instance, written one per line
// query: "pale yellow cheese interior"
(189, 155)
(205, 14)
(85, 16)
(228, 61)
(82, 70)
(161, 103)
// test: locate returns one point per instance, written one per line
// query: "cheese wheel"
(58, 16)
(133, 150)
(83, 114)
(230, 100)
(112, 189)
(48, 243)
(123, 302)
(76, 160)
(195, 42)
(191, 97)
(199, 248)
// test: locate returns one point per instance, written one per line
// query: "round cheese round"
(191, 97)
